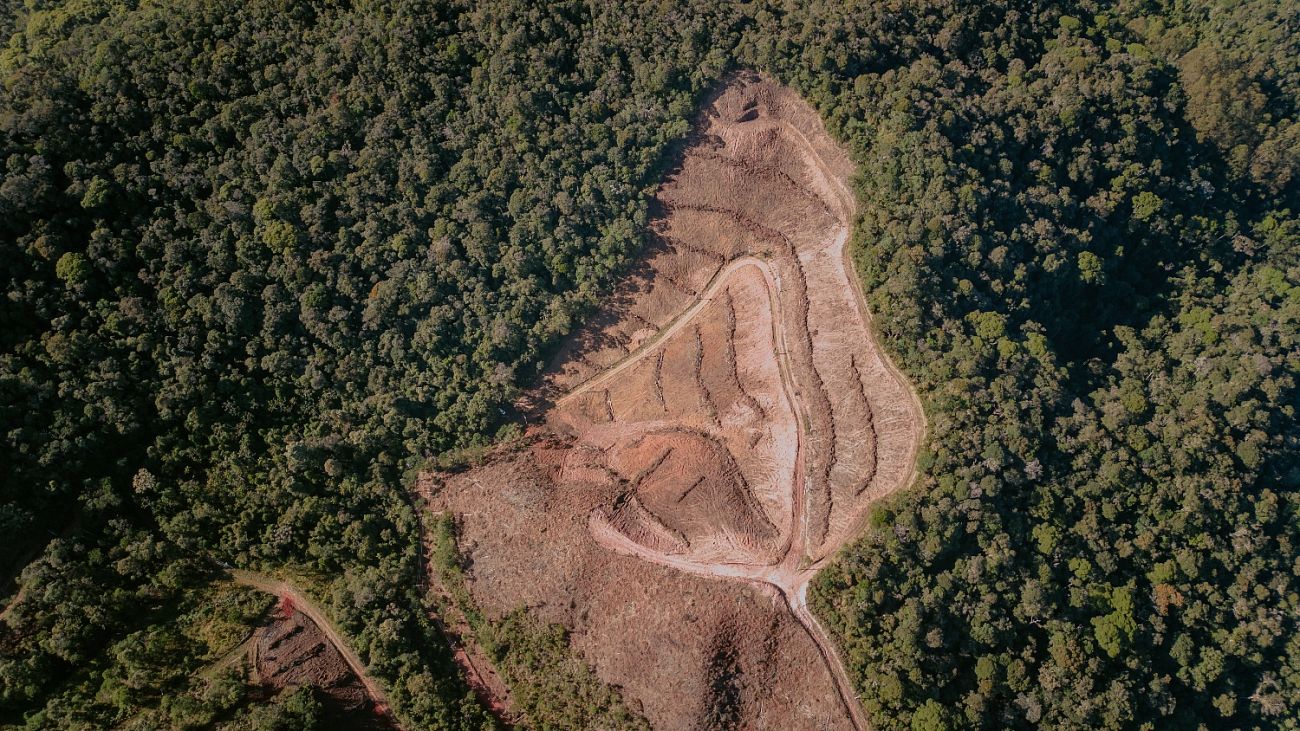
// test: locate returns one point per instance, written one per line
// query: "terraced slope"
(727, 416)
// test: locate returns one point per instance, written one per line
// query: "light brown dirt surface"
(479, 672)
(727, 416)
(290, 651)
(297, 646)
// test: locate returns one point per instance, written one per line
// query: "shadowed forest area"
(263, 261)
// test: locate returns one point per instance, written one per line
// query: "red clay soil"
(290, 651)
(727, 415)
(298, 646)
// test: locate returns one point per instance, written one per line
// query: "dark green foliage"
(299, 710)
(549, 684)
(178, 670)
(260, 260)
(1100, 305)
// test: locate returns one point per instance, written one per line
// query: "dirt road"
(716, 284)
(789, 575)
(731, 415)
(274, 586)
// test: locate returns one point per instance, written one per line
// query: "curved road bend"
(785, 575)
(275, 586)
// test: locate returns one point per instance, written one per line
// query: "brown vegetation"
(290, 651)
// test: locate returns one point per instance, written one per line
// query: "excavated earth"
(708, 441)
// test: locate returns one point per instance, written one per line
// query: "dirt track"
(303, 604)
(788, 576)
(728, 415)
(719, 282)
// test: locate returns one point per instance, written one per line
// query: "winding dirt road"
(789, 576)
(731, 415)
(302, 603)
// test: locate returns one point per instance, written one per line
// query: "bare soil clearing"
(482, 677)
(298, 646)
(729, 415)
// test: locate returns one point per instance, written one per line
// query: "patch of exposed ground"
(295, 646)
(444, 603)
(290, 651)
(728, 415)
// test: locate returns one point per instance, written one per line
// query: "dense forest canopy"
(262, 260)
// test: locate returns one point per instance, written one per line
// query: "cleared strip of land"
(302, 603)
(728, 415)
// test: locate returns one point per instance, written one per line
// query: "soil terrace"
(728, 415)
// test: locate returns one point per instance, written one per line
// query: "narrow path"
(232, 656)
(481, 675)
(717, 282)
(798, 603)
(488, 685)
(272, 585)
